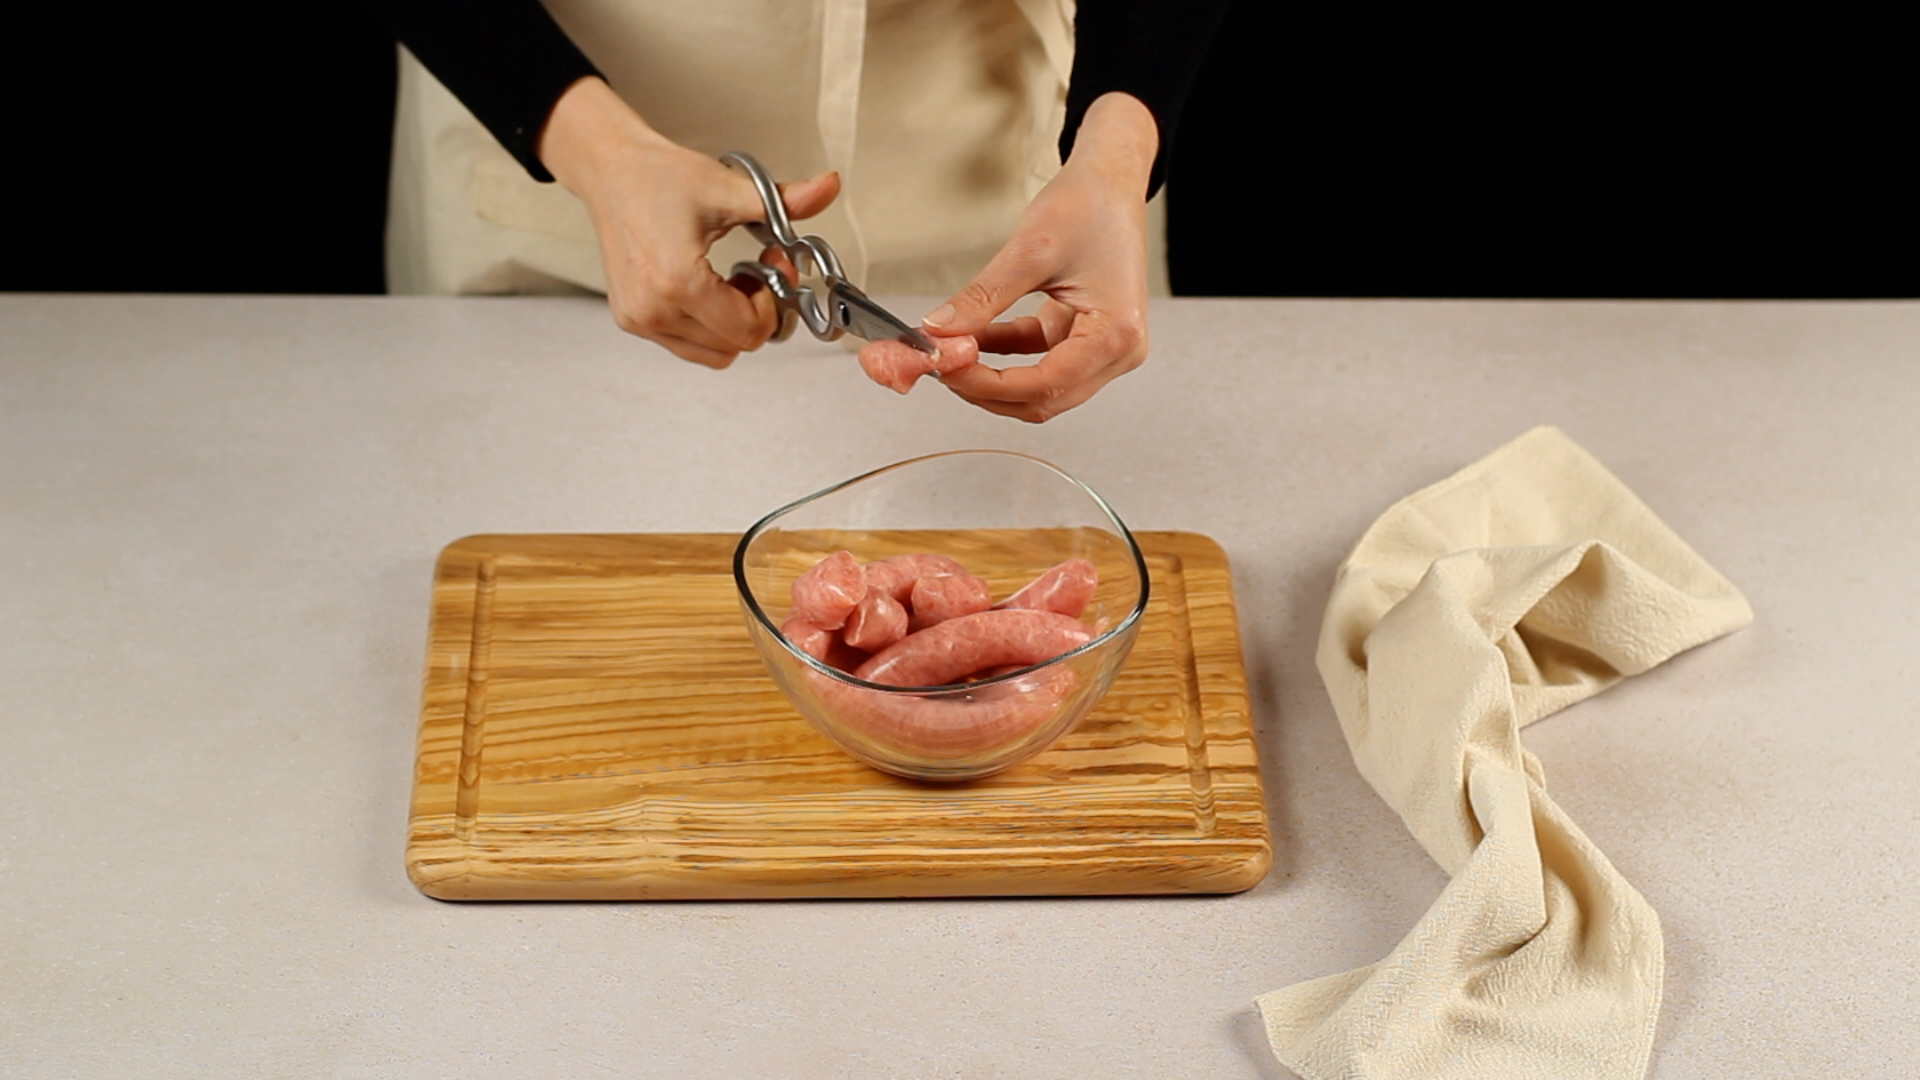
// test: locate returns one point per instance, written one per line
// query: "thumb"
(728, 199)
(805, 198)
(1013, 273)
(738, 201)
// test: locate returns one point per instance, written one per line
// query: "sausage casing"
(948, 727)
(896, 574)
(829, 590)
(1066, 589)
(936, 599)
(949, 652)
(876, 623)
(822, 644)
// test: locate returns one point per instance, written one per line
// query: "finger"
(688, 328)
(1041, 411)
(737, 201)
(953, 353)
(699, 354)
(1094, 345)
(1030, 333)
(727, 316)
(661, 317)
(777, 259)
(1071, 363)
(1019, 268)
(805, 198)
(1022, 335)
(1057, 317)
(728, 198)
(766, 308)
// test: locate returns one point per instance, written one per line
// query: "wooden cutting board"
(597, 726)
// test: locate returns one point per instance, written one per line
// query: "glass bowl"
(1006, 517)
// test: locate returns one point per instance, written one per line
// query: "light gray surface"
(218, 519)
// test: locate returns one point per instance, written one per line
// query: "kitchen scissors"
(845, 310)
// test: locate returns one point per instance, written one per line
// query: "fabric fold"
(1526, 582)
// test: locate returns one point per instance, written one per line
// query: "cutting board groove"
(595, 724)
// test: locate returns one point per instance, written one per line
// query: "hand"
(1083, 242)
(657, 208)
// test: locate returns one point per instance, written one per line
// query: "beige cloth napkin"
(1516, 587)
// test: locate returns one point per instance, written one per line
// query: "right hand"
(1083, 242)
(657, 208)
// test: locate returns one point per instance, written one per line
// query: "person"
(999, 148)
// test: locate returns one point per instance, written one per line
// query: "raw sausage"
(897, 365)
(950, 651)
(994, 718)
(1066, 589)
(829, 591)
(822, 644)
(948, 596)
(895, 575)
(994, 672)
(808, 638)
(878, 622)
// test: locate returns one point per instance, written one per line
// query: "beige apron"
(941, 116)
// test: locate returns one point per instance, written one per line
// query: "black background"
(1326, 152)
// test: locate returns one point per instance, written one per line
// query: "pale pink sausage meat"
(808, 638)
(948, 596)
(932, 625)
(992, 719)
(950, 651)
(897, 365)
(1066, 589)
(896, 574)
(878, 622)
(829, 591)
(822, 644)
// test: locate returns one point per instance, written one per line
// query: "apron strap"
(1052, 22)
(843, 47)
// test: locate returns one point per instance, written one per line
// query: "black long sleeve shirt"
(508, 62)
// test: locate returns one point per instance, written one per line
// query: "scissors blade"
(857, 314)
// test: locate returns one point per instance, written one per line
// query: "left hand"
(1083, 242)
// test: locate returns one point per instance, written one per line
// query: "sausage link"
(936, 599)
(808, 638)
(822, 644)
(949, 728)
(1066, 589)
(896, 574)
(878, 622)
(829, 591)
(950, 651)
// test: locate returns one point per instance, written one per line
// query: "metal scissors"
(846, 310)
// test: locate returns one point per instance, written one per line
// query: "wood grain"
(597, 726)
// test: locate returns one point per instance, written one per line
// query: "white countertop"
(218, 518)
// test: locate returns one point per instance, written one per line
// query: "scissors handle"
(778, 229)
(810, 255)
(786, 301)
(846, 308)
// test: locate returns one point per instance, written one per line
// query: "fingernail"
(939, 316)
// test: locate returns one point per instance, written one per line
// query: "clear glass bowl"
(1007, 518)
